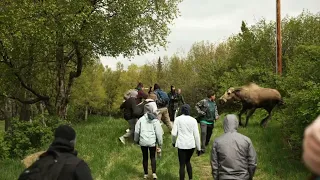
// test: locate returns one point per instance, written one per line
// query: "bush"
(25, 137)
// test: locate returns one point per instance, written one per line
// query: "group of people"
(232, 156)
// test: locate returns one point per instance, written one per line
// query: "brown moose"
(252, 97)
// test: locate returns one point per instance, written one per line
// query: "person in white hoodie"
(186, 137)
(148, 134)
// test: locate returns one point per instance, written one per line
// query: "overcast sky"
(214, 21)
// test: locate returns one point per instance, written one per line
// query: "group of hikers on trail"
(232, 154)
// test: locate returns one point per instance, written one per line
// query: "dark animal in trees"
(252, 97)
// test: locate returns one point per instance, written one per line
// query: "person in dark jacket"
(129, 107)
(64, 144)
(175, 102)
(233, 155)
(208, 114)
(141, 94)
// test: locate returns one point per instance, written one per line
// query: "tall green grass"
(98, 145)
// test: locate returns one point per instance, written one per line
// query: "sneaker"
(154, 176)
(122, 140)
(145, 176)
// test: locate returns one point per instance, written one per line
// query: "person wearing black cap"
(62, 150)
(186, 137)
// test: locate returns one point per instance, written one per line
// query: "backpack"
(162, 98)
(47, 167)
(139, 111)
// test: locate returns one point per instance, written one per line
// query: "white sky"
(214, 21)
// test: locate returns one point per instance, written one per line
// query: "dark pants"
(152, 150)
(132, 124)
(184, 161)
(206, 132)
(171, 113)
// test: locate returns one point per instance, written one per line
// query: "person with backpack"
(60, 161)
(141, 94)
(129, 106)
(148, 134)
(162, 103)
(208, 114)
(186, 137)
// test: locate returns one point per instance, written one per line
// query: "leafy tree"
(49, 42)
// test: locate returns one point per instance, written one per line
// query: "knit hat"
(65, 132)
(185, 109)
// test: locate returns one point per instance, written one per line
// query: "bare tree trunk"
(25, 112)
(86, 113)
(42, 114)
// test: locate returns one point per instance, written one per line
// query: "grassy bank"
(109, 159)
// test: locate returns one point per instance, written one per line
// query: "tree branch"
(30, 101)
(8, 62)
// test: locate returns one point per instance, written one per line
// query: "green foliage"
(25, 137)
(112, 160)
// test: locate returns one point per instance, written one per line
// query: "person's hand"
(311, 146)
(158, 149)
(198, 152)
(202, 113)
(173, 144)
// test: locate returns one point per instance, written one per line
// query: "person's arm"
(174, 132)
(252, 160)
(311, 146)
(82, 172)
(216, 112)
(196, 135)
(159, 132)
(182, 99)
(198, 107)
(137, 132)
(122, 105)
(214, 161)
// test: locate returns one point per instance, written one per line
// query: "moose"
(252, 97)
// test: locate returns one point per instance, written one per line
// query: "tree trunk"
(86, 113)
(42, 114)
(25, 112)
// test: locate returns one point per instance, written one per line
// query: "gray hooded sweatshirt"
(233, 155)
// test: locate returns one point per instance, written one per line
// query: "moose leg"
(249, 115)
(244, 109)
(264, 121)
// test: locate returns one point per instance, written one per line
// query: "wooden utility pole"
(279, 41)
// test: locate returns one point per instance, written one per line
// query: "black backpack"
(139, 110)
(48, 166)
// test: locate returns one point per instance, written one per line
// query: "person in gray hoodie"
(148, 134)
(233, 155)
